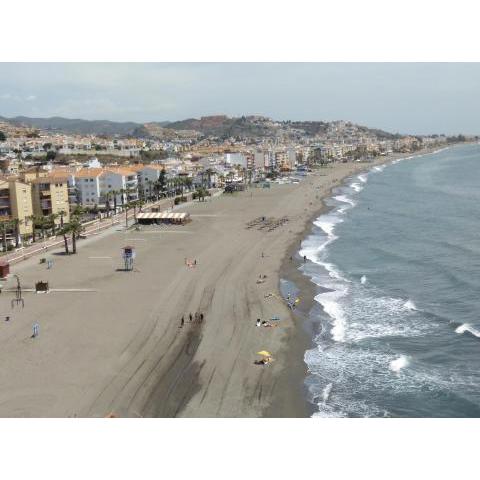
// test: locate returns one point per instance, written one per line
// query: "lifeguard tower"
(128, 257)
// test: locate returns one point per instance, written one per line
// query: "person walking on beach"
(304, 259)
(182, 322)
(191, 317)
(201, 317)
(36, 330)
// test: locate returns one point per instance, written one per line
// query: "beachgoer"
(195, 262)
(201, 317)
(190, 316)
(196, 317)
(262, 255)
(7, 318)
(36, 330)
(304, 259)
(258, 322)
(182, 322)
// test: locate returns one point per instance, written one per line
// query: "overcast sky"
(407, 98)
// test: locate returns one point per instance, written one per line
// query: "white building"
(121, 180)
(236, 159)
(148, 176)
(87, 184)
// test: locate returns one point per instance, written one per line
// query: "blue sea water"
(399, 253)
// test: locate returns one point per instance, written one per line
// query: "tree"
(32, 218)
(16, 228)
(3, 137)
(51, 154)
(209, 172)
(75, 227)
(162, 180)
(51, 219)
(40, 221)
(65, 231)
(5, 224)
(62, 214)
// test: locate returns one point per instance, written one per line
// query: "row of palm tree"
(42, 222)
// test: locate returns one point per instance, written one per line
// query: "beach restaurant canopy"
(157, 217)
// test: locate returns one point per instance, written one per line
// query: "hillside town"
(52, 180)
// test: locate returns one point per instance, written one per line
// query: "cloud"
(31, 98)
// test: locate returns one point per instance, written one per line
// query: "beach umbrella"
(264, 353)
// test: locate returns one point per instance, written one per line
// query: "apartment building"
(50, 196)
(88, 186)
(16, 203)
(148, 176)
(122, 180)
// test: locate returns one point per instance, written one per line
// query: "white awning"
(161, 216)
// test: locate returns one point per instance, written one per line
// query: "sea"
(396, 261)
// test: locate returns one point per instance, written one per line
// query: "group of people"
(197, 318)
(264, 323)
(190, 263)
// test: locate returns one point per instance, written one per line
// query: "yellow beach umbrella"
(264, 353)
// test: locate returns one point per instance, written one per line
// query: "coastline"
(302, 338)
(120, 350)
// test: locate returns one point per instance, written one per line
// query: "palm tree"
(115, 194)
(65, 231)
(61, 214)
(32, 218)
(127, 207)
(16, 227)
(41, 221)
(75, 227)
(150, 189)
(51, 219)
(5, 224)
(209, 173)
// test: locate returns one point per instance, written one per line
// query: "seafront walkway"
(92, 227)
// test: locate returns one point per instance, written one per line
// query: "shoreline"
(302, 339)
(120, 350)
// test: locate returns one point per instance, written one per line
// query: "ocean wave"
(399, 363)
(331, 306)
(356, 186)
(362, 177)
(466, 327)
(363, 280)
(345, 199)
(326, 393)
(409, 305)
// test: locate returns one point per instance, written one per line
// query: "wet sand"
(119, 349)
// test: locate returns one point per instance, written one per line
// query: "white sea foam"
(409, 305)
(362, 177)
(331, 305)
(379, 168)
(326, 393)
(363, 280)
(345, 199)
(466, 327)
(399, 363)
(356, 186)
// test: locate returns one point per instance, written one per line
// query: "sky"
(417, 98)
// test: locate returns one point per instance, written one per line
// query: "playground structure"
(128, 256)
(18, 300)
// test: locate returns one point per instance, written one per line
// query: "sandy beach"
(110, 342)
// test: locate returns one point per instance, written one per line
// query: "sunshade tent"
(264, 353)
(170, 216)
